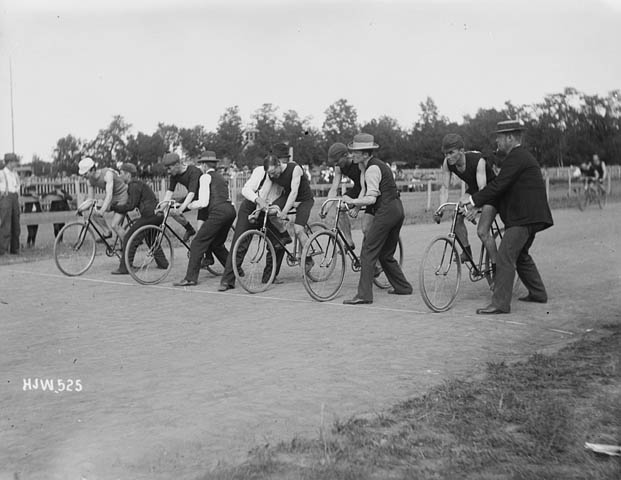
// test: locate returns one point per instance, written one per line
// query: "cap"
(170, 159)
(451, 141)
(129, 167)
(85, 165)
(281, 150)
(10, 157)
(336, 151)
(509, 126)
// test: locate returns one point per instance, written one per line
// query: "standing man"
(258, 192)
(32, 204)
(599, 169)
(475, 172)
(188, 176)
(109, 180)
(380, 242)
(296, 190)
(217, 214)
(520, 193)
(142, 197)
(9, 205)
(59, 202)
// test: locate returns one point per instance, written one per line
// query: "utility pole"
(12, 121)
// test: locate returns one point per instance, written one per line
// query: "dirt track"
(175, 380)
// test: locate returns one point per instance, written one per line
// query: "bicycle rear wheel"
(254, 261)
(149, 255)
(380, 278)
(323, 277)
(74, 249)
(439, 275)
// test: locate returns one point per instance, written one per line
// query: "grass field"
(528, 420)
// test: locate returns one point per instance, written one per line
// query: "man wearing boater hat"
(216, 213)
(520, 193)
(380, 241)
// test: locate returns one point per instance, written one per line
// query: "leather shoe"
(357, 301)
(392, 291)
(118, 271)
(528, 298)
(185, 283)
(490, 310)
(224, 287)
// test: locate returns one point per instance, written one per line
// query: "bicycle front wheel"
(254, 261)
(323, 276)
(74, 249)
(149, 255)
(380, 278)
(440, 274)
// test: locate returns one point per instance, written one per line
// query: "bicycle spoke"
(439, 275)
(74, 249)
(323, 277)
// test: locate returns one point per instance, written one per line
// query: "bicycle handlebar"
(456, 209)
(342, 205)
(167, 203)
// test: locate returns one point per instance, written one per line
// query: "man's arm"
(109, 178)
(481, 174)
(250, 190)
(336, 182)
(372, 178)
(507, 176)
(446, 183)
(295, 186)
(604, 172)
(203, 193)
(133, 190)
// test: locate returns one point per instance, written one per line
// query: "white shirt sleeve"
(372, 177)
(249, 191)
(203, 193)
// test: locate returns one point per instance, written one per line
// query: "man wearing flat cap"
(217, 214)
(380, 241)
(142, 197)
(9, 205)
(188, 176)
(520, 193)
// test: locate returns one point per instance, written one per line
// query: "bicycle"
(440, 268)
(152, 242)
(323, 281)
(254, 254)
(591, 193)
(75, 245)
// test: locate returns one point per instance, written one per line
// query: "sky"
(77, 63)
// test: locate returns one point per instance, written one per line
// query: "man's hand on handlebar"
(437, 217)
(261, 203)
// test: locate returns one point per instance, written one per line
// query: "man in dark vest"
(380, 242)
(520, 193)
(188, 176)
(217, 213)
(475, 172)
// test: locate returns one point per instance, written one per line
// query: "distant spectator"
(59, 202)
(32, 204)
(9, 205)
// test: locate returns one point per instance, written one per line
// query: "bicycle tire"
(380, 279)
(74, 249)
(323, 280)
(143, 246)
(254, 266)
(439, 274)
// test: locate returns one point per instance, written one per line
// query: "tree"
(145, 150)
(110, 145)
(170, 136)
(194, 141)
(389, 136)
(66, 155)
(40, 168)
(341, 123)
(305, 140)
(229, 137)
(427, 134)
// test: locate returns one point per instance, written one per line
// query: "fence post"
(569, 181)
(162, 188)
(547, 187)
(428, 195)
(609, 191)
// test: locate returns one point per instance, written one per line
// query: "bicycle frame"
(341, 206)
(165, 207)
(274, 237)
(89, 223)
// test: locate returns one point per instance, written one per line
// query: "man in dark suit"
(520, 193)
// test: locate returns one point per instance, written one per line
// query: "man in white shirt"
(258, 192)
(9, 205)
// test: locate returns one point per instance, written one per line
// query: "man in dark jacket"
(520, 193)
(141, 196)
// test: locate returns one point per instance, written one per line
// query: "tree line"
(564, 129)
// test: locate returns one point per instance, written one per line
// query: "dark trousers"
(30, 207)
(243, 225)
(211, 237)
(160, 258)
(380, 243)
(9, 223)
(58, 206)
(513, 255)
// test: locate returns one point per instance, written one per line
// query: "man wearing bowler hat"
(9, 205)
(217, 215)
(380, 241)
(520, 193)
(142, 197)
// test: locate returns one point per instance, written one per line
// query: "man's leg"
(243, 225)
(217, 247)
(5, 224)
(15, 227)
(513, 242)
(529, 274)
(345, 227)
(374, 240)
(387, 259)
(484, 231)
(140, 222)
(185, 223)
(462, 234)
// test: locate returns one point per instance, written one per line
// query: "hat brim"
(82, 171)
(362, 146)
(509, 130)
